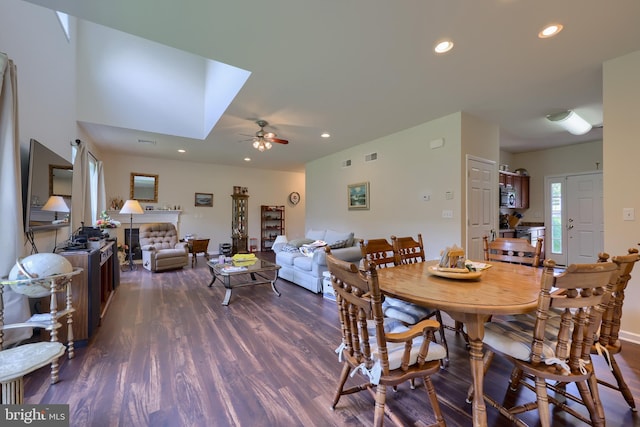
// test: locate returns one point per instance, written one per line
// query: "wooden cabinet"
(519, 183)
(239, 223)
(92, 289)
(271, 225)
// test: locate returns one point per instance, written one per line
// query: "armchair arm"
(182, 245)
(148, 248)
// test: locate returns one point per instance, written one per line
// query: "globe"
(38, 266)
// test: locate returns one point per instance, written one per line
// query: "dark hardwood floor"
(169, 354)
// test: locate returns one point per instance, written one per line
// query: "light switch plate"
(628, 214)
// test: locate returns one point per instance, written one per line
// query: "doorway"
(574, 218)
(481, 203)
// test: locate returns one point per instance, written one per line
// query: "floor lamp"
(131, 207)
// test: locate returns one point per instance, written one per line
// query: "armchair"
(161, 249)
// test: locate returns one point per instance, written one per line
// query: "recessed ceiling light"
(443, 46)
(247, 159)
(550, 31)
(326, 135)
(182, 151)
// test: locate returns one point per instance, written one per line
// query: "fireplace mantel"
(156, 215)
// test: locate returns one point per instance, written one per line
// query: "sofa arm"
(350, 254)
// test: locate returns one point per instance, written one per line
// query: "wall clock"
(294, 197)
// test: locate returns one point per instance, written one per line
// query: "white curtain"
(16, 306)
(81, 190)
(102, 194)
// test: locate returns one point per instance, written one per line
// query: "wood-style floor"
(169, 354)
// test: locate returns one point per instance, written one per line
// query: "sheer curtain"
(81, 212)
(16, 306)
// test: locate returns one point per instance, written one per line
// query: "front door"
(481, 204)
(585, 219)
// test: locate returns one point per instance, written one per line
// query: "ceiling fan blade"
(278, 140)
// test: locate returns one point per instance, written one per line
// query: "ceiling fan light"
(269, 135)
(261, 147)
(256, 144)
(268, 145)
(571, 122)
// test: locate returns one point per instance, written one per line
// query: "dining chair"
(607, 343)
(518, 251)
(383, 351)
(407, 250)
(197, 246)
(380, 253)
(553, 344)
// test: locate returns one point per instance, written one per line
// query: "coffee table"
(258, 273)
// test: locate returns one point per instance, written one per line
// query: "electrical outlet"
(447, 213)
(426, 197)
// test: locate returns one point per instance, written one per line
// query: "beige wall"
(179, 181)
(406, 170)
(585, 157)
(621, 153)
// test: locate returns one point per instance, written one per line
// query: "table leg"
(213, 276)
(227, 294)
(475, 331)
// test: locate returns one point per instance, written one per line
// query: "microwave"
(507, 198)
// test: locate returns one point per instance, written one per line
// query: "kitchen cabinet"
(519, 184)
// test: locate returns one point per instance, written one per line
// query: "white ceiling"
(363, 69)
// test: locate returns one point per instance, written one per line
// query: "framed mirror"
(144, 187)
(60, 178)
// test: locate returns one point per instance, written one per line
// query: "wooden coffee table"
(258, 273)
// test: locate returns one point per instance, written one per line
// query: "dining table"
(500, 289)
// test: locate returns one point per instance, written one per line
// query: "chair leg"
(591, 399)
(381, 397)
(433, 398)
(344, 375)
(543, 402)
(445, 362)
(622, 385)
(514, 380)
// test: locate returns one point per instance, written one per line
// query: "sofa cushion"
(333, 236)
(316, 235)
(286, 258)
(303, 263)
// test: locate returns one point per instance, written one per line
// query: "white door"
(585, 219)
(481, 204)
(574, 218)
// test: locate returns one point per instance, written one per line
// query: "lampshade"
(571, 122)
(131, 207)
(56, 204)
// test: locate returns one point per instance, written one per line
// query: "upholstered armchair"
(161, 248)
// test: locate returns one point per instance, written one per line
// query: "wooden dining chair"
(518, 251)
(385, 353)
(380, 253)
(407, 250)
(553, 344)
(197, 246)
(607, 344)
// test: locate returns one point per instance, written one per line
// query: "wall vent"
(346, 163)
(370, 157)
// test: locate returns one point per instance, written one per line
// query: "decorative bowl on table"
(32, 274)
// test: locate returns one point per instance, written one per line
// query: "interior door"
(585, 218)
(481, 204)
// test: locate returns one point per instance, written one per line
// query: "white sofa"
(307, 271)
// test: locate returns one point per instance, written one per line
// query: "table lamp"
(55, 204)
(131, 207)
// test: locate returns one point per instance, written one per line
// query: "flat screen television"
(44, 174)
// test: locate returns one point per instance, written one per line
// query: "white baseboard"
(631, 337)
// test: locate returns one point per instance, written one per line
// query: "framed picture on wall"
(358, 196)
(204, 200)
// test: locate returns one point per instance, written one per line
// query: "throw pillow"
(339, 244)
(299, 242)
(334, 236)
(289, 248)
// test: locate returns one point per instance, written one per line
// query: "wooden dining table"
(501, 289)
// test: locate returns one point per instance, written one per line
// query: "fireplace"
(135, 244)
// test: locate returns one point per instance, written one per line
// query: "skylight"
(63, 18)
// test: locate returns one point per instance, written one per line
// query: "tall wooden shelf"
(271, 225)
(239, 223)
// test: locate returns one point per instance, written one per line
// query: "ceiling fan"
(264, 140)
